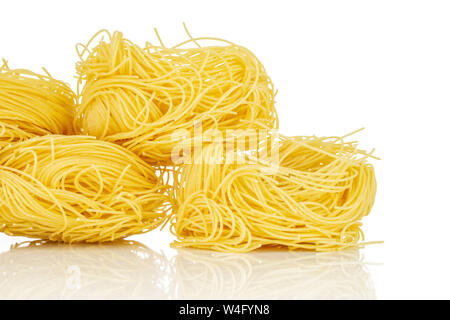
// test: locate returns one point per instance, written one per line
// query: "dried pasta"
(150, 98)
(314, 200)
(33, 105)
(77, 189)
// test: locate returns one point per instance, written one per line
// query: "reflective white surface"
(130, 270)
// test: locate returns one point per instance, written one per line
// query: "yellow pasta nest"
(150, 98)
(33, 105)
(314, 198)
(77, 188)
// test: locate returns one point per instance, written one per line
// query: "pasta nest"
(151, 98)
(77, 189)
(33, 105)
(313, 197)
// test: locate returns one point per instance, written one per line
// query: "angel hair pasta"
(77, 188)
(148, 98)
(33, 105)
(314, 200)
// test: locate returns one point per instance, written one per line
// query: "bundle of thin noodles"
(77, 189)
(150, 98)
(33, 105)
(313, 197)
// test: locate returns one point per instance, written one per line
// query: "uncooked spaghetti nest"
(314, 198)
(149, 98)
(33, 105)
(77, 188)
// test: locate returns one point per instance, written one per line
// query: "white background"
(338, 66)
